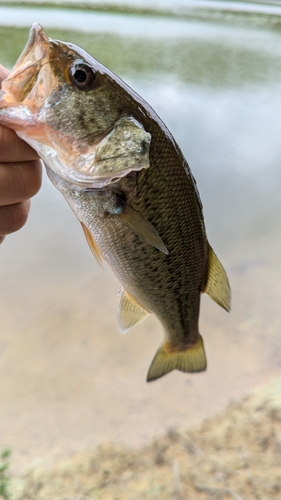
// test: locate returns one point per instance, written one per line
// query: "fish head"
(74, 112)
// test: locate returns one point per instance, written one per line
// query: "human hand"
(20, 178)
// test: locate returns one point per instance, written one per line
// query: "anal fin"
(218, 285)
(93, 246)
(193, 359)
(129, 312)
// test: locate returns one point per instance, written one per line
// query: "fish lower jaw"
(80, 178)
(15, 117)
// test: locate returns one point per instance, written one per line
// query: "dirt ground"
(235, 455)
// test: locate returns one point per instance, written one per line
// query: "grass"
(4, 474)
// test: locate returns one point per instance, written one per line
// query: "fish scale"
(127, 182)
(170, 223)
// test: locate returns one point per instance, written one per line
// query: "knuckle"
(13, 217)
(27, 178)
(36, 173)
(19, 215)
(31, 178)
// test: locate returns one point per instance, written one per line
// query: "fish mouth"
(23, 101)
(29, 83)
(33, 102)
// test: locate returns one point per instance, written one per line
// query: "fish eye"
(82, 76)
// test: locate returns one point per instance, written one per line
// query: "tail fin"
(165, 360)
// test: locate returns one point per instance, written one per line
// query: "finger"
(12, 148)
(13, 217)
(19, 181)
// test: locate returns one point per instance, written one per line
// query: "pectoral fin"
(218, 285)
(191, 360)
(142, 227)
(93, 246)
(129, 312)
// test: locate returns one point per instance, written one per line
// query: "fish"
(126, 180)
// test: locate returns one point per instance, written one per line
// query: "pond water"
(69, 379)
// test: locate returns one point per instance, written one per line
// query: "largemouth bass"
(127, 182)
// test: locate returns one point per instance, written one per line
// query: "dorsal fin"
(93, 246)
(218, 285)
(129, 312)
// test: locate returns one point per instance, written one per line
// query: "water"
(69, 379)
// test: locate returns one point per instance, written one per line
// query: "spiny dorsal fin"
(191, 360)
(129, 312)
(93, 246)
(218, 285)
(142, 227)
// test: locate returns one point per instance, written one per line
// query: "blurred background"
(68, 379)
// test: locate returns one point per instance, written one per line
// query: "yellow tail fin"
(165, 360)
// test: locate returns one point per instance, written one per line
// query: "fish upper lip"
(37, 30)
(27, 66)
(35, 50)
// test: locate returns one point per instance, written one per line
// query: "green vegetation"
(4, 474)
(173, 61)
